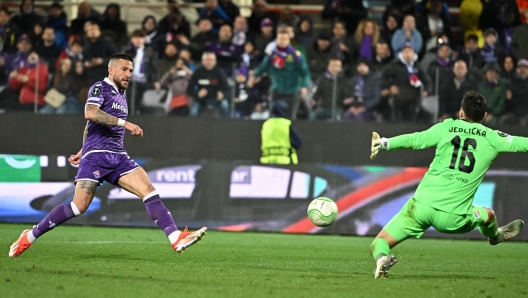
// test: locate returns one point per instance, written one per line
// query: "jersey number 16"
(465, 154)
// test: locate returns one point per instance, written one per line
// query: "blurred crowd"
(214, 61)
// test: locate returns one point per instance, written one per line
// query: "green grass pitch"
(123, 262)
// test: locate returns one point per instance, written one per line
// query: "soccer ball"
(322, 212)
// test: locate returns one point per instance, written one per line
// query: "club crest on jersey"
(476, 213)
(96, 91)
(96, 174)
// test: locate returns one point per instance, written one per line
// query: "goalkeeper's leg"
(490, 228)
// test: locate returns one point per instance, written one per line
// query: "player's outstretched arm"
(508, 143)
(93, 113)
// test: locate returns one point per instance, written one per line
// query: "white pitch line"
(103, 242)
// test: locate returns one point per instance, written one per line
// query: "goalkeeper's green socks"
(379, 247)
(490, 230)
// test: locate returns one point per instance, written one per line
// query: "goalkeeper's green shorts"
(415, 218)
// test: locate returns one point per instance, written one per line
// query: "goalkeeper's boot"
(187, 239)
(19, 246)
(383, 265)
(507, 232)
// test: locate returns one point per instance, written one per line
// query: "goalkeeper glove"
(377, 144)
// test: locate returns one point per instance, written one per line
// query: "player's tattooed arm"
(88, 186)
(96, 115)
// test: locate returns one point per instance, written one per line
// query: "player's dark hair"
(474, 106)
(121, 56)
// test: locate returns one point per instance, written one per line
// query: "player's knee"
(78, 208)
(491, 214)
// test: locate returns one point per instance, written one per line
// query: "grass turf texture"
(123, 262)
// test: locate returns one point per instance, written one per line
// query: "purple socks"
(159, 213)
(56, 217)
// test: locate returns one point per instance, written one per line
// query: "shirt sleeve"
(418, 140)
(507, 143)
(95, 95)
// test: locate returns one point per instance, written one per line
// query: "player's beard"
(119, 83)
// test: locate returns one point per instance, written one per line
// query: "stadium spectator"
(383, 57)
(8, 33)
(85, 13)
(342, 44)
(333, 79)
(506, 33)
(208, 87)
(423, 7)
(366, 37)
(407, 34)
(399, 8)
(280, 140)
(226, 52)
(241, 34)
(471, 54)
(441, 68)
(112, 26)
(206, 35)
(185, 54)
(406, 82)
(350, 12)
(31, 80)
(58, 20)
(492, 51)
(174, 23)
(153, 37)
(49, 51)
(366, 94)
(145, 72)
(508, 70)
(259, 13)
(494, 14)
(242, 99)
(229, 8)
(453, 89)
(36, 34)
(73, 51)
(26, 19)
(260, 112)
(305, 31)
(433, 24)
(250, 58)
(265, 36)
(516, 97)
(287, 18)
(519, 42)
(96, 54)
(390, 25)
(177, 80)
(493, 88)
(67, 82)
(290, 75)
(18, 60)
(319, 55)
(216, 14)
(169, 58)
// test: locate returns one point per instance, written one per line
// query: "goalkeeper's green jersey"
(464, 152)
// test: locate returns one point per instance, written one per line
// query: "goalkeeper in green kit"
(465, 150)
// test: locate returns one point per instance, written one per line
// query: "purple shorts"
(99, 166)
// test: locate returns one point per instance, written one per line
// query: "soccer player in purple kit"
(103, 157)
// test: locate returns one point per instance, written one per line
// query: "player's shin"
(379, 247)
(490, 230)
(161, 215)
(57, 216)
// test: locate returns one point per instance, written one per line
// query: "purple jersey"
(103, 138)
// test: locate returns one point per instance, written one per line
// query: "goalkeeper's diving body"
(465, 150)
